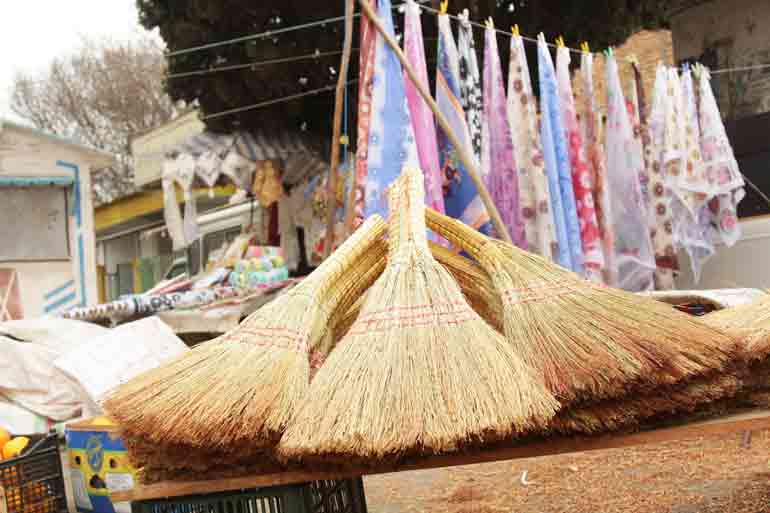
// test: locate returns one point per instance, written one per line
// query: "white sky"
(33, 32)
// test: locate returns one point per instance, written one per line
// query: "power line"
(274, 101)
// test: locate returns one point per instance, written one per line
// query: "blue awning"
(36, 181)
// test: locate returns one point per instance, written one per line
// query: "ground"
(728, 474)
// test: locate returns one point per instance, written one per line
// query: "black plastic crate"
(345, 496)
(33, 482)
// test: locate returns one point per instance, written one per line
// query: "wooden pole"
(342, 79)
(465, 157)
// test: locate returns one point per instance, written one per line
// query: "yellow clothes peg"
(490, 23)
(633, 60)
(560, 41)
(515, 30)
(584, 47)
(444, 7)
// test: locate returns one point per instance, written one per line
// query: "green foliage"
(188, 23)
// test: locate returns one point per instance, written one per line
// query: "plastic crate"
(33, 482)
(317, 497)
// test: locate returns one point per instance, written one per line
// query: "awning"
(36, 181)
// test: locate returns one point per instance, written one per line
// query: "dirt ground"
(709, 475)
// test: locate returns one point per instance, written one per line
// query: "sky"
(34, 32)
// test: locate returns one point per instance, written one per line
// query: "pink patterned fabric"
(366, 73)
(422, 117)
(497, 146)
(534, 195)
(581, 174)
(591, 125)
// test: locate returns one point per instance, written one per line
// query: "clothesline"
(739, 68)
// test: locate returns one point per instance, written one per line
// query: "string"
(740, 68)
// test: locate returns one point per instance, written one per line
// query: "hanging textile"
(557, 164)
(497, 149)
(635, 115)
(366, 72)
(470, 83)
(581, 175)
(634, 256)
(208, 167)
(179, 170)
(461, 199)
(721, 167)
(422, 117)
(534, 197)
(691, 187)
(659, 213)
(391, 137)
(185, 176)
(239, 170)
(591, 121)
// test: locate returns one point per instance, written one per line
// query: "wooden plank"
(745, 421)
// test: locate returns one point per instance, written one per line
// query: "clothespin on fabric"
(609, 52)
(490, 23)
(633, 60)
(515, 30)
(585, 48)
(444, 7)
(560, 42)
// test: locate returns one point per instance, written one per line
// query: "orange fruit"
(15, 447)
(5, 437)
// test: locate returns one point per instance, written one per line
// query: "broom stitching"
(434, 322)
(419, 316)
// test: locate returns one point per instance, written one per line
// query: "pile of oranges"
(33, 497)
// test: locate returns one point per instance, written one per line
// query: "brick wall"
(649, 46)
(731, 33)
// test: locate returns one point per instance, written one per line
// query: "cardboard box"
(98, 464)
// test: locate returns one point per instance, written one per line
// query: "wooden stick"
(342, 79)
(465, 157)
(754, 420)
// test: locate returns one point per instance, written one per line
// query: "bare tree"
(102, 94)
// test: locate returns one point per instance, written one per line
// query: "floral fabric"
(659, 215)
(591, 128)
(422, 117)
(721, 166)
(581, 176)
(633, 256)
(461, 199)
(366, 74)
(534, 196)
(497, 157)
(470, 83)
(391, 136)
(557, 165)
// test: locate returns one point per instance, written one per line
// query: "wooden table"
(749, 420)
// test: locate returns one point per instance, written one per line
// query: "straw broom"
(238, 391)
(419, 372)
(588, 342)
(751, 323)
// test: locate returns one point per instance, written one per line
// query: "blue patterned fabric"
(557, 165)
(391, 136)
(461, 198)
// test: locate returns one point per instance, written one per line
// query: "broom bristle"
(419, 372)
(588, 342)
(750, 323)
(240, 389)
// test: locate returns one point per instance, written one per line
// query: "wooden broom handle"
(465, 157)
(331, 206)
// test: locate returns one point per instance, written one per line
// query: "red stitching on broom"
(317, 359)
(292, 337)
(451, 322)
(458, 311)
(412, 308)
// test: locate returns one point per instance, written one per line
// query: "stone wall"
(729, 33)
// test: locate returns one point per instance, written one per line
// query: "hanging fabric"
(185, 178)
(534, 197)
(557, 164)
(581, 174)
(659, 214)
(366, 73)
(691, 230)
(208, 167)
(461, 199)
(591, 124)
(497, 154)
(239, 170)
(633, 256)
(470, 83)
(391, 136)
(171, 212)
(721, 167)
(422, 117)
(635, 115)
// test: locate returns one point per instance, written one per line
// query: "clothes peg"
(490, 23)
(633, 60)
(560, 41)
(585, 48)
(515, 30)
(444, 7)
